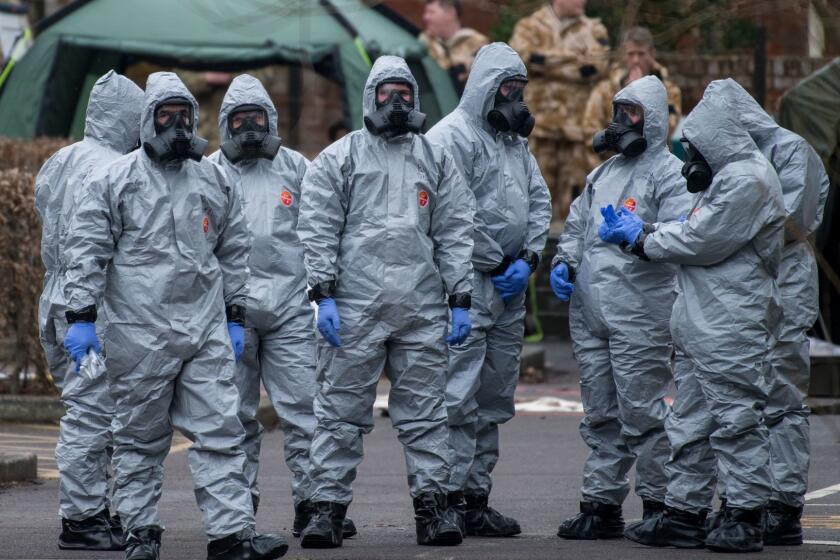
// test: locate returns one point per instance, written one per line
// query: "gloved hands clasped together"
(621, 227)
(514, 280)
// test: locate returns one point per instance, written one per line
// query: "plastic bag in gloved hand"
(93, 365)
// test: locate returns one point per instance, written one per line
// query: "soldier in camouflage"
(452, 46)
(566, 54)
(638, 60)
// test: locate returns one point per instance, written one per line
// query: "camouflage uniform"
(565, 57)
(457, 54)
(598, 113)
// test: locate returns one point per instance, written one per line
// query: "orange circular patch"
(630, 204)
(205, 224)
(286, 198)
(423, 199)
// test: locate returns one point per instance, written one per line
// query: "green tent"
(812, 110)
(48, 88)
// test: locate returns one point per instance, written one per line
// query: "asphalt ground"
(536, 481)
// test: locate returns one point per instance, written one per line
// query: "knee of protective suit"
(737, 418)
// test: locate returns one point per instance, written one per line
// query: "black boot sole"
(446, 539)
(317, 541)
(79, 546)
(757, 548)
(479, 533)
(599, 537)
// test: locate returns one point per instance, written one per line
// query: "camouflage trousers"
(564, 166)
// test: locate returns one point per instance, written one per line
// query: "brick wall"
(693, 73)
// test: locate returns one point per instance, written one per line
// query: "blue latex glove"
(328, 321)
(622, 227)
(514, 281)
(459, 326)
(237, 339)
(682, 218)
(560, 282)
(79, 339)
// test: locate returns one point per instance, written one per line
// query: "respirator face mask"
(623, 135)
(250, 137)
(696, 170)
(396, 115)
(509, 113)
(174, 138)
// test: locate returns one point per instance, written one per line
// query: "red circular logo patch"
(630, 204)
(205, 224)
(695, 212)
(286, 198)
(423, 199)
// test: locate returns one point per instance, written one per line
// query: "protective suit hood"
(159, 87)
(494, 64)
(246, 90)
(752, 116)
(385, 69)
(649, 94)
(714, 129)
(113, 112)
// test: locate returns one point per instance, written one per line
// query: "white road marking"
(817, 494)
(824, 543)
(541, 404)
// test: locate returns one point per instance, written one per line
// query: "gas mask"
(622, 135)
(509, 113)
(696, 170)
(249, 139)
(174, 139)
(394, 117)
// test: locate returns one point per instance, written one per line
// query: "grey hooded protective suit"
(727, 307)
(165, 248)
(620, 310)
(390, 221)
(805, 189)
(112, 128)
(279, 338)
(513, 210)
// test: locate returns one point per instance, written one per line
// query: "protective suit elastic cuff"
(83, 315)
(463, 300)
(637, 248)
(235, 314)
(322, 291)
(503, 266)
(530, 257)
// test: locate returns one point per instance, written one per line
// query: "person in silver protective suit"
(624, 356)
(723, 323)
(83, 450)
(159, 241)
(279, 321)
(386, 227)
(486, 136)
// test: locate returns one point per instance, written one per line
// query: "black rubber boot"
(595, 521)
(304, 510)
(650, 508)
(483, 521)
(457, 508)
(247, 545)
(325, 526)
(741, 531)
(782, 525)
(434, 525)
(93, 533)
(143, 544)
(715, 519)
(669, 527)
